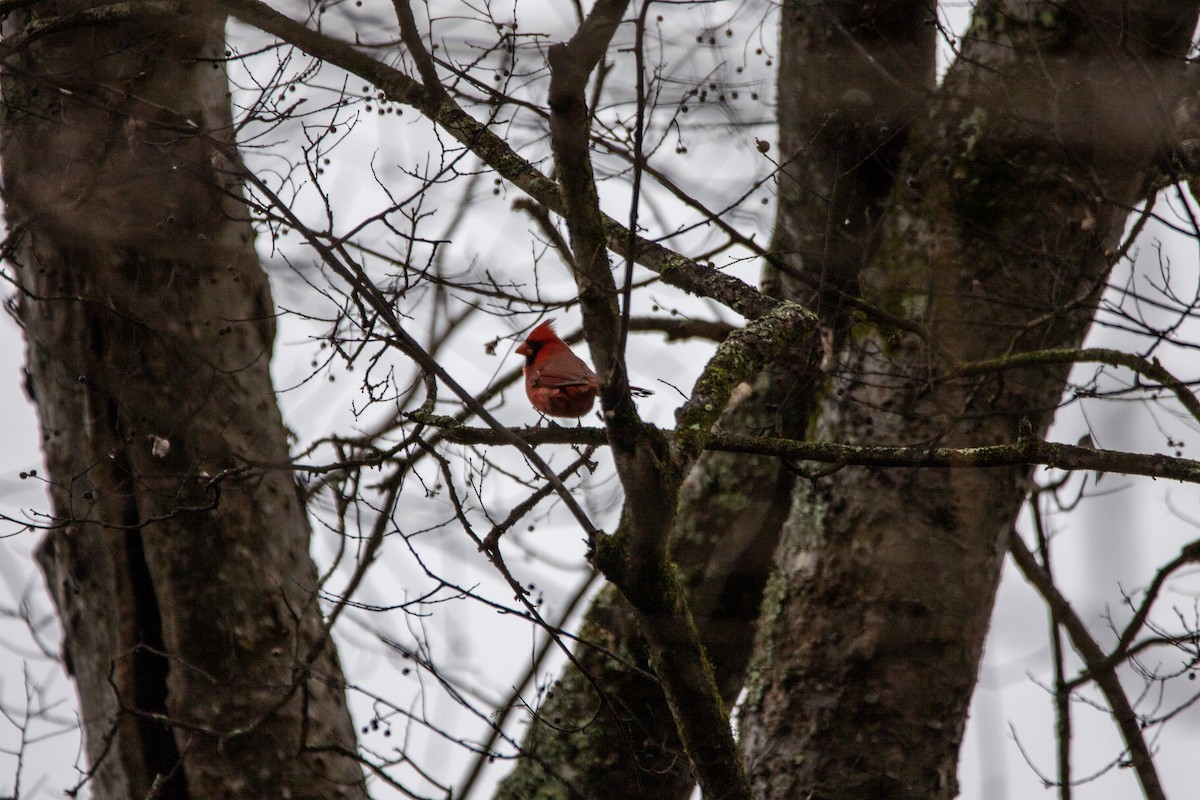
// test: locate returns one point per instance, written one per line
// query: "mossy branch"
(108, 14)
(1029, 451)
(736, 359)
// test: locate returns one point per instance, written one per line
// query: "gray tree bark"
(177, 553)
(998, 238)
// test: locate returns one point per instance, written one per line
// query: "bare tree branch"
(1026, 450)
(1105, 675)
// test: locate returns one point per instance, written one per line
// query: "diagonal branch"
(1104, 675)
(416, 48)
(635, 558)
(1124, 648)
(571, 64)
(743, 353)
(675, 269)
(366, 292)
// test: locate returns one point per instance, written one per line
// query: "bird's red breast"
(557, 382)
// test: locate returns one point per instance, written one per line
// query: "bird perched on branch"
(557, 381)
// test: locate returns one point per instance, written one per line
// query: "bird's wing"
(562, 369)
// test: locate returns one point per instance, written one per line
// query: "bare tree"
(177, 549)
(821, 529)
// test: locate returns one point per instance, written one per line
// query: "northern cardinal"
(557, 381)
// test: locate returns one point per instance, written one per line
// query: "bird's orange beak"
(524, 349)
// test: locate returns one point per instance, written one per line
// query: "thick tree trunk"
(998, 239)
(852, 79)
(178, 550)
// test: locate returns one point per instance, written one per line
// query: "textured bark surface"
(180, 569)
(852, 79)
(997, 239)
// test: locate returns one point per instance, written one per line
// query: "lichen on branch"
(736, 359)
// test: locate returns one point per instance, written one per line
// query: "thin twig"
(1062, 693)
(535, 665)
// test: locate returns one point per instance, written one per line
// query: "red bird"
(557, 381)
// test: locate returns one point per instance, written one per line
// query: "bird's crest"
(543, 333)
